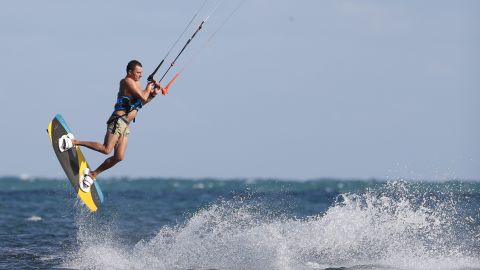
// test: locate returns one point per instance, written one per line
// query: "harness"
(127, 104)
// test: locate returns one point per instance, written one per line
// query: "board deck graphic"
(73, 163)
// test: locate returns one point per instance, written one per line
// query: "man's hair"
(132, 64)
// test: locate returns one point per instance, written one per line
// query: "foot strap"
(86, 181)
(65, 142)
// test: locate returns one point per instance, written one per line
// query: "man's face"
(136, 73)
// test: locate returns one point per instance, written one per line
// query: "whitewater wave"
(397, 226)
(34, 218)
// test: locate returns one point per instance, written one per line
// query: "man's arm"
(134, 89)
(155, 91)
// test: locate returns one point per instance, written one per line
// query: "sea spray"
(399, 225)
(97, 244)
(380, 227)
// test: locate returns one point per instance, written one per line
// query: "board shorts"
(118, 126)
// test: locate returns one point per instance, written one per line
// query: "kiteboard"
(73, 163)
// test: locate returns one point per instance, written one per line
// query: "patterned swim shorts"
(118, 126)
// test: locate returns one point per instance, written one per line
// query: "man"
(130, 99)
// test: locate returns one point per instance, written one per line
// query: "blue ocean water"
(241, 224)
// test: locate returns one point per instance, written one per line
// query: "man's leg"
(118, 156)
(105, 148)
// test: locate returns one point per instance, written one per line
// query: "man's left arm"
(156, 89)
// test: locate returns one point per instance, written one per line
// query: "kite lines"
(200, 26)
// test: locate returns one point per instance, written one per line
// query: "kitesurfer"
(130, 99)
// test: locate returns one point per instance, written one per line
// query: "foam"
(34, 218)
(396, 226)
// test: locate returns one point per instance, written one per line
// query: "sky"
(286, 89)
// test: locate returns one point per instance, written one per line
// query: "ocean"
(160, 223)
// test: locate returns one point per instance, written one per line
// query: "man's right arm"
(134, 89)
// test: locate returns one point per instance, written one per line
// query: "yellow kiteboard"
(73, 163)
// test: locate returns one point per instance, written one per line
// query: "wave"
(34, 218)
(399, 225)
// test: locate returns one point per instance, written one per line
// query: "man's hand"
(156, 91)
(158, 85)
(156, 88)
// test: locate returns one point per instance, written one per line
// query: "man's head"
(134, 70)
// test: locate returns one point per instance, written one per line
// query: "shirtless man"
(130, 98)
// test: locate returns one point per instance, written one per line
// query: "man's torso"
(125, 91)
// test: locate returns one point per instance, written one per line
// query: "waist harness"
(127, 104)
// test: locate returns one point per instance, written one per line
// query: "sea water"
(241, 224)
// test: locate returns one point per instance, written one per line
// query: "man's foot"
(65, 142)
(86, 180)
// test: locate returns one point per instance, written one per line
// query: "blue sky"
(288, 89)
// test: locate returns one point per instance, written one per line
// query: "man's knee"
(119, 157)
(107, 150)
